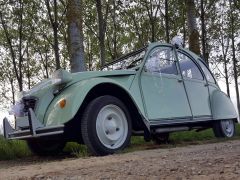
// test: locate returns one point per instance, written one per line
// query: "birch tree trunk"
(75, 34)
(192, 27)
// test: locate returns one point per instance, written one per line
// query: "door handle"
(206, 84)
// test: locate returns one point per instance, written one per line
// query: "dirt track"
(208, 161)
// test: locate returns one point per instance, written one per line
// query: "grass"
(14, 149)
(77, 150)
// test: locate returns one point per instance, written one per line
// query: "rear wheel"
(43, 147)
(106, 125)
(224, 128)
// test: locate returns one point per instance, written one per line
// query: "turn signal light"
(62, 103)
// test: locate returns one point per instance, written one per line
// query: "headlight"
(56, 81)
(17, 109)
(61, 77)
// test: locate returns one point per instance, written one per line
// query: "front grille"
(29, 102)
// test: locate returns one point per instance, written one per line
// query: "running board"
(171, 129)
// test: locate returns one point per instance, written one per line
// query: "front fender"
(222, 106)
(74, 96)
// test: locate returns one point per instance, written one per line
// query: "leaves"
(27, 54)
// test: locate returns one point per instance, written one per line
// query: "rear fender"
(222, 106)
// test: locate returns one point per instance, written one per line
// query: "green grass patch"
(75, 149)
(13, 149)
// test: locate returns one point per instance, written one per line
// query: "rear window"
(207, 73)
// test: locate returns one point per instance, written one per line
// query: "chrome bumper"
(35, 129)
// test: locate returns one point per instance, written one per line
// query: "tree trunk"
(13, 91)
(192, 27)
(203, 33)
(54, 23)
(28, 73)
(115, 54)
(224, 54)
(234, 58)
(226, 76)
(75, 34)
(167, 21)
(20, 32)
(55, 32)
(101, 30)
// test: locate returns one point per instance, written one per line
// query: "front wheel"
(224, 128)
(106, 126)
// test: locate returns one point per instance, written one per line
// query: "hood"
(52, 83)
(93, 74)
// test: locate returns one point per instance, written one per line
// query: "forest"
(38, 37)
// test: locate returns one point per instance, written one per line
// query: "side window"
(188, 68)
(162, 60)
(207, 73)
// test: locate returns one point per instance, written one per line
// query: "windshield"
(128, 61)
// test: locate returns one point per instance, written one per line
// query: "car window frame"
(195, 62)
(148, 54)
(204, 63)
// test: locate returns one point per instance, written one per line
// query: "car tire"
(224, 128)
(44, 147)
(106, 126)
(161, 138)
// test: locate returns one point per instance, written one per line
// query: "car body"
(153, 91)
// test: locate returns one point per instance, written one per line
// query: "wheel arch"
(118, 92)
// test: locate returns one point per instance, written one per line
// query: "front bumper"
(34, 129)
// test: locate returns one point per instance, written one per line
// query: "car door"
(196, 86)
(162, 87)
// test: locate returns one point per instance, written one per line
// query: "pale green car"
(153, 91)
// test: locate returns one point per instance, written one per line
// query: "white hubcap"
(112, 126)
(228, 127)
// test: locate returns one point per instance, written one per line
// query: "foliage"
(27, 41)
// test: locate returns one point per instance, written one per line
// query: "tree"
(232, 26)
(54, 22)
(167, 21)
(75, 34)
(192, 27)
(16, 33)
(203, 38)
(102, 21)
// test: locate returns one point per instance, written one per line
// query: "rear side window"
(188, 68)
(207, 73)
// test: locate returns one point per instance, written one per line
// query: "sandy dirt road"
(208, 161)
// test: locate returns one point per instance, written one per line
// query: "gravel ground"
(207, 161)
